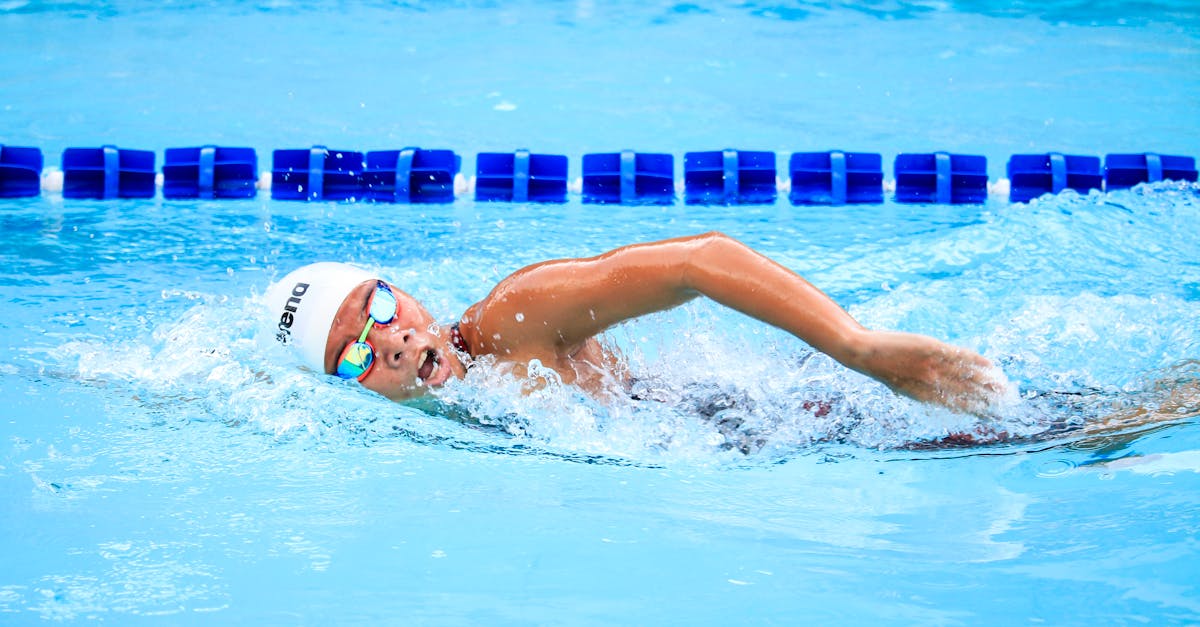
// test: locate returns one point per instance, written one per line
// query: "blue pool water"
(162, 461)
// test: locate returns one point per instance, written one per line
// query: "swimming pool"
(160, 460)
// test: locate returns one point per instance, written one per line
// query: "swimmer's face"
(411, 354)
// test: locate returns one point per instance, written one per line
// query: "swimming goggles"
(358, 357)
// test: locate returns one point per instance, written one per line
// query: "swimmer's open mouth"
(428, 364)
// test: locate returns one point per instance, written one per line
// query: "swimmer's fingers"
(973, 385)
(978, 391)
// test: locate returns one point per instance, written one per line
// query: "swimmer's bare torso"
(553, 312)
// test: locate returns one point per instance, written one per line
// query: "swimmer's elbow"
(712, 237)
(704, 253)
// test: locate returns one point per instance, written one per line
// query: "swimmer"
(345, 321)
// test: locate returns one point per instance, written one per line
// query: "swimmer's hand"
(931, 371)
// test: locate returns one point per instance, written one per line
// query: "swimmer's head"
(322, 308)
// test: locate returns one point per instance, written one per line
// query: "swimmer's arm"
(562, 303)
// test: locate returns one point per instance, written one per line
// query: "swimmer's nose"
(398, 344)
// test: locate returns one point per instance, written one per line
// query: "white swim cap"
(305, 302)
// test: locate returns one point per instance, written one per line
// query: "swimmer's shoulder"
(493, 327)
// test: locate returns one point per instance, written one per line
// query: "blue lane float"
(20, 171)
(835, 178)
(729, 177)
(520, 176)
(629, 178)
(1122, 171)
(316, 173)
(1031, 176)
(941, 178)
(210, 172)
(411, 175)
(415, 175)
(108, 172)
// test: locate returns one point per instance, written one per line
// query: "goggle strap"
(366, 329)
